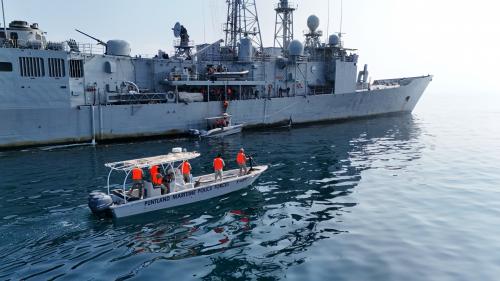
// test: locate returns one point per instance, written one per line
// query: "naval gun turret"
(113, 47)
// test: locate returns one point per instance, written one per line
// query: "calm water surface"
(412, 197)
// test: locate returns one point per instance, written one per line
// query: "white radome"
(313, 23)
(296, 48)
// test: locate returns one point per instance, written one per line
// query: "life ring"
(170, 96)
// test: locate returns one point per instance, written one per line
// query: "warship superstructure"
(68, 92)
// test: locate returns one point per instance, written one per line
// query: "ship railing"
(145, 56)
(176, 76)
(287, 6)
(86, 48)
(92, 49)
(23, 44)
(177, 43)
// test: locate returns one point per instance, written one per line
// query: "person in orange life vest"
(155, 175)
(157, 181)
(137, 178)
(225, 105)
(218, 167)
(241, 160)
(186, 171)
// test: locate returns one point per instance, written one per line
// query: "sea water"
(407, 197)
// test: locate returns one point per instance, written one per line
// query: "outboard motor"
(99, 203)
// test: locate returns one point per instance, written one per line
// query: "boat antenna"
(328, 23)
(4, 26)
(341, 18)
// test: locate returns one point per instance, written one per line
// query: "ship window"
(5, 66)
(31, 67)
(76, 68)
(2, 34)
(56, 68)
(14, 36)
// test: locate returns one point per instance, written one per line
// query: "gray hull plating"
(23, 127)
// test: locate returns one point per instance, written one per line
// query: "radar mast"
(283, 29)
(242, 21)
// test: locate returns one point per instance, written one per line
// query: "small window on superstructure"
(5, 66)
(2, 35)
(14, 36)
(76, 68)
(56, 68)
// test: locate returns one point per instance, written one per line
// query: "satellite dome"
(295, 48)
(333, 40)
(313, 22)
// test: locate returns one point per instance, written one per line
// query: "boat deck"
(210, 178)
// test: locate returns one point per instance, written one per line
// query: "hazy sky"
(456, 40)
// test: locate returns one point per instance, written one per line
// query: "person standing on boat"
(186, 171)
(152, 172)
(156, 177)
(218, 167)
(241, 159)
(168, 182)
(137, 178)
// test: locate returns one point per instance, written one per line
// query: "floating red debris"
(218, 230)
(236, 212)
(246, 220)
(224, 240)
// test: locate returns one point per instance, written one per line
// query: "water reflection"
(256, 233)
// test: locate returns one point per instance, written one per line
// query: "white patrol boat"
(125, 202)
(217, 127)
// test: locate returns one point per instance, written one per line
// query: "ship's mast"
(283, 30)
(242, 21)
(4, 26)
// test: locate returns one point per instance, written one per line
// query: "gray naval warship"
(70, 92)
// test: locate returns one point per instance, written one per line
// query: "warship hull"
(47, 126)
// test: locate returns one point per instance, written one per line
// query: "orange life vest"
(158, 179)
(186, 168)
(136, 174)
(241, 158)
(153, 171)
(218, 164)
